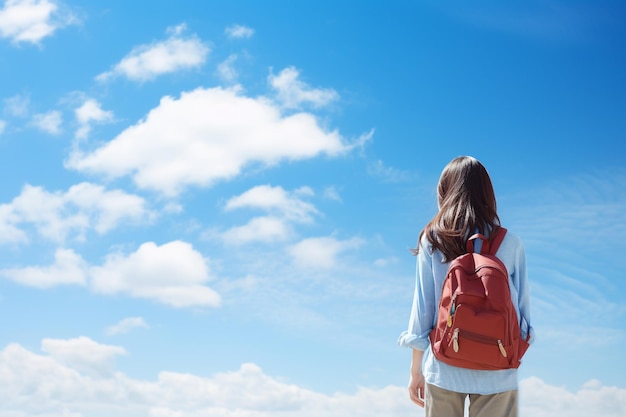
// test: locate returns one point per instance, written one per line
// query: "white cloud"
(383, 262)
(292, 92)
(239, 31)
(321, 252)
(126, 325)
(543, 400)
(59, 215)
(83, 354)
(3, 126)
(172, 274)
(147, 62)
(226, 70)
(90, 111)
(32, 20)
(49, 122)
(68, 268)
(332, 193)
(207, 135)
(78, 377)
(17, 106)
(285, 208)
(269, 198)
(386, 173)
(258, 229)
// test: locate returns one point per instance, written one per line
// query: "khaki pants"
(440, 402)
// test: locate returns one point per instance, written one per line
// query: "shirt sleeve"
(424, 307)
(520, 280)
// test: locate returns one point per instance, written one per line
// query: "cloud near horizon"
(78, 377)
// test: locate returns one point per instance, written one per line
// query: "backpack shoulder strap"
(489, 246)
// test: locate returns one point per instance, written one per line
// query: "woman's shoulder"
(511, 245)
(512, 238)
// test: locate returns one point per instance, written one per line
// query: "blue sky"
(206, 206)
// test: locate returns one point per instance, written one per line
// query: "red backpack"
(477, 326)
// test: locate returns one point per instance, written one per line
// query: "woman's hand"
(416, 382)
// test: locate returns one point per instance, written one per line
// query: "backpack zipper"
(478, 338)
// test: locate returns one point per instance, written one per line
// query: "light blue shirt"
(431, 272)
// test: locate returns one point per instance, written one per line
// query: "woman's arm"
(416, 382)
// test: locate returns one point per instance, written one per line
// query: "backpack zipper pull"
(455, 340)
(452, 310)
(502, 350)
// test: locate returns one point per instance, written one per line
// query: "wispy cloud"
(49, 122)
(126, 325)
(147, 62)
(321, 252)
(546, 21)
(387, 173)
(17, 105)
(239, 31)
(292, 93)
(226, 69)
(573, 231)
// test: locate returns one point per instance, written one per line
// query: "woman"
(467, 205)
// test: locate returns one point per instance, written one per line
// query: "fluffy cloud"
(88, 112)
(543, 400)
(284, 207)
(292, 92)
(208, 135)
(31, 20)
(59, 215)
(77, 377)
(259, 229)
(321, 252)
(83, 354)
(172, 274)
(147, 62)
(65, 380)
(269, 198)
(68, 268)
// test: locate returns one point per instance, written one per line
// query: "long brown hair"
(467, 203)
